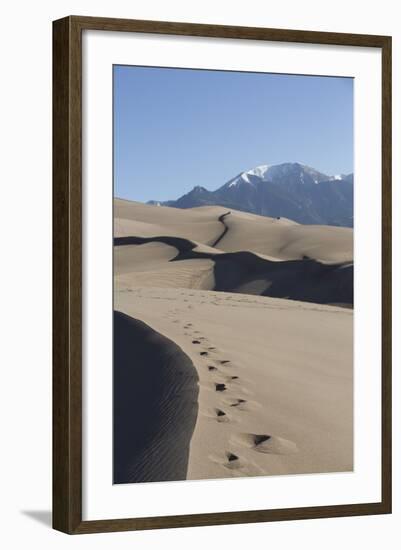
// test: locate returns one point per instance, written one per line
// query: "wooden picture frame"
(67, 273)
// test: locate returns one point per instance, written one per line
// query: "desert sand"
(230, 358)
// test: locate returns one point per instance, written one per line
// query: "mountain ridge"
(290, 190)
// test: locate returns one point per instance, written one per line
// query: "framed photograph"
(222, 270)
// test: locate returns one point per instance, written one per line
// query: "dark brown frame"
(67, 279)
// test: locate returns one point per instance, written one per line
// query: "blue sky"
(177, 128)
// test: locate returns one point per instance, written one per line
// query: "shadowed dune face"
(155, 392)
(305, 280)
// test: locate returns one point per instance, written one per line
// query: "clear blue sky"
(177, 128)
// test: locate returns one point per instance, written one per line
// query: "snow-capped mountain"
(290, 190)
(278, 172)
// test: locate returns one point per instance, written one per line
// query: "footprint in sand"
(196, 342)
(204, 353)
(233, 461)
(224, 361)
(221, 416)
(241, 404)
(228, 460)
(238, 402)
(269, 444)
(212, 368)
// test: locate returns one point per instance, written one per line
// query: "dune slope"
(155, 404)
(244, 272)
(275, 379)
(234, 231)
(231, 358)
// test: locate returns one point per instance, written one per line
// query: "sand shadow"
(304, 280)
(155, 392)
(245, 272)
(220, 237)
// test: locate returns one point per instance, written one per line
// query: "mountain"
(289, 190)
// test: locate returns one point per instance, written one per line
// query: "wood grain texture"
(67, 274)
(226, 31)
(386, 275)
(67, 278)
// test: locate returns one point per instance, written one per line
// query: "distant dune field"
(246, 308)
(280, 239)
(253, 254)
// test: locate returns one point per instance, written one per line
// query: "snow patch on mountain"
(269, 173)
(259, 171)
(240, 179)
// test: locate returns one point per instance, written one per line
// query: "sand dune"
(285, 239)
(155, 383)
(275, 379)
(150, 264)
(240, 308)
(199, 266)
(278, 238)
(144, 220)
